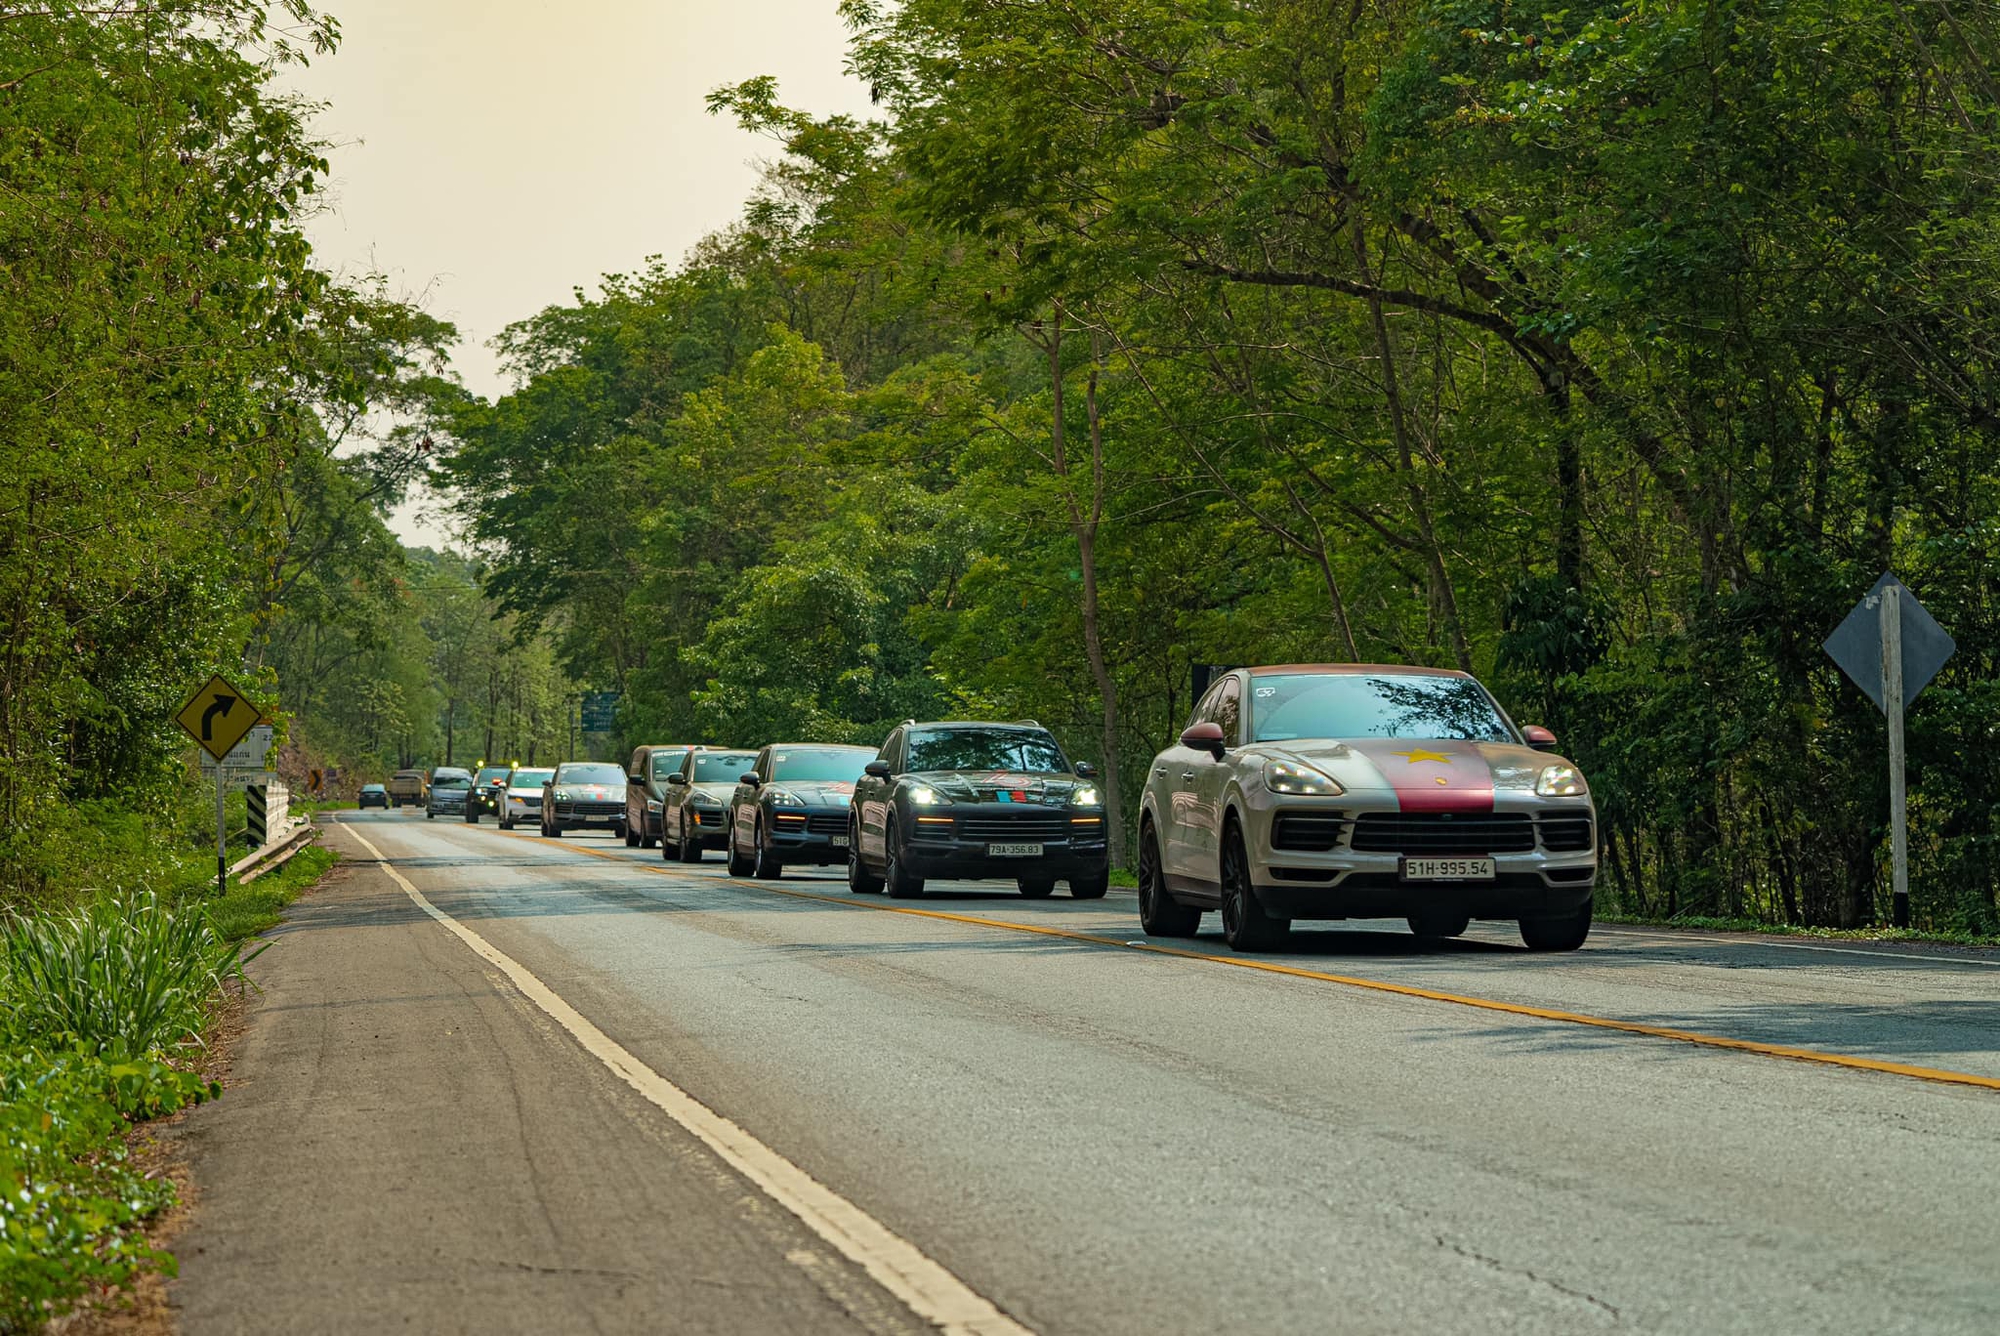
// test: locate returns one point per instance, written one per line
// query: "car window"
(1204, 710)
(721, 767)
(667, 761)
(493, 772)
(589, 772)
(451, 779)
(984, 749)
(1227, 710)
(826, 765)
(892, 752)
(1366, 705)
(531, 779)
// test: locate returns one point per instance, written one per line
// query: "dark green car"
(489, 790)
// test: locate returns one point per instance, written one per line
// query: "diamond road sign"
(1856, 644)
(218, 717)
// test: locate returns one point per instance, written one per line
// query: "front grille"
(827, 823)
(707, 816)
(1443, 833)
(1024, 826)
(1568, 834)
(1316, 832)
(532, 801)
(590, 809)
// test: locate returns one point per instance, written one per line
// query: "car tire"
(555, 830)
(896, 878)
(430, 814)
(631, 840)
(740, 863)
(646, 837)
(506, 823)
(1437, 926)
(1160, 915)
(861, 879)
(1558, 934)
(1037, 888)
(1246, 926)
(1093, 887)
(690, 849)
(770, 867)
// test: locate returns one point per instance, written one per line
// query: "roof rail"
(1029, 723)
(909, 723)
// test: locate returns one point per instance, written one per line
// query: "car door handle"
(1188, 775)
(1159, 770)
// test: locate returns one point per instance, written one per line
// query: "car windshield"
(721, 767)
(985, 749)
(1355, 705)
(461, 780)
(667, 762)
(371, 788)
(830, 765)
(493, 772)
(530, 779)
(589, 772)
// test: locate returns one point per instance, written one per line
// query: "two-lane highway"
(1095, 1137)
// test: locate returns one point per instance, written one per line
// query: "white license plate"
(1014, 850)
(1447, 869)
(837, 841)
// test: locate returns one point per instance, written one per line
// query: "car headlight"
(652, 805)
(1291, 777)
(1561, 781)
(562, 795)
(706, 800)
(1085, 797)
(786, 798)
(926, 797)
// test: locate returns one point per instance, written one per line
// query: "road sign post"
(1892, 647)
(218, 717)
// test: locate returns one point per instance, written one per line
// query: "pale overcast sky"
(491, 155)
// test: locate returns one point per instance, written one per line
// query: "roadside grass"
(104, 1001)
(1126, 877)
(1712, 924)
(245, 911)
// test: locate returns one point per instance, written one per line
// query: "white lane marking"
(897, 1265)
(1693, 939)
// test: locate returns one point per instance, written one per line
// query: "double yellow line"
(1786, 1051)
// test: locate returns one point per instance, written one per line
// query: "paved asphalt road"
(1095, 1139)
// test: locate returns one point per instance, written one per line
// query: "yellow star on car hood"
(1420, 754)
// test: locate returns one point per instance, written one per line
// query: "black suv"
(977, 800)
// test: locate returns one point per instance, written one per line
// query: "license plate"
(1014, 850)
(1447, 869)
(837, 841)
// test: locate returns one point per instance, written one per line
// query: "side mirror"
(1085, 770)
(677, 779)
(751, 779)
(879, 769)
(1539, 738)
(1205, 736)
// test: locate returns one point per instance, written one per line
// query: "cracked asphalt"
(1096, 1140)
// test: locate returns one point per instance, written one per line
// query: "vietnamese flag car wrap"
(1432, 776)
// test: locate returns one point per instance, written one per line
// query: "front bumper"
(444, 806)
(588, 815)
(802, 835)
(709, 826)
(1345, 860)
(957, 842)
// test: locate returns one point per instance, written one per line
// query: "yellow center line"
(1696, 1037)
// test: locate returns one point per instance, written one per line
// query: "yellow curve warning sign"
(218, 717)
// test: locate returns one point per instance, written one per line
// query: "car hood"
(1425, 775)
(715, 788)
(817, 793)
(1001, 785)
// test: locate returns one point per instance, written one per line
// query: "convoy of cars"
(1302, 791)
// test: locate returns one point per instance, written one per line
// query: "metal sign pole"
(221, 838)
(1892, 703)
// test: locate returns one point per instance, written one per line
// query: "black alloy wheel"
(861, 880)
(1037, 888)
(1093, 887)
(1438, 924)
(1245, 924)
(1159, 913)
(896, 876)
(690, 844)
(1558, 934)
(770, 866)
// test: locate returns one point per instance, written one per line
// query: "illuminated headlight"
(924, 797)
(706, 800)
(1085, 797)
(1290, 777)
(785, 798)
(1561, 781)
(652, 805)
(562, 795)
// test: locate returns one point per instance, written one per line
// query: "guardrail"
(274, 854)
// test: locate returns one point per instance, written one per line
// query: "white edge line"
(1698, 938)
(897, 1265)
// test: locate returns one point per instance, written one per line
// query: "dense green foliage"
(1609, 353)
